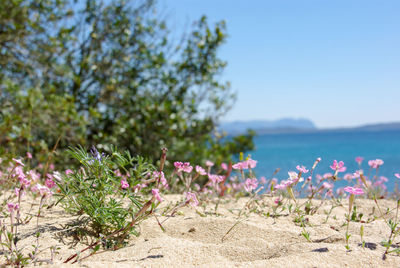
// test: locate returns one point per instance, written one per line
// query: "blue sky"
(334, 62)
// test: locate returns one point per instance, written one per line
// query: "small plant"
(99, 191)
(353, 192)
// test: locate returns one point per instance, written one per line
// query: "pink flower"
(250, 184)
(192, 199)
(156, 194)
(354, 190)
(24, 181)
(201, 170)
(117, 173)
(12, 207)
(263, 180)
(281, 186)
(397, 175)
(186, 167)
(124, 184)
(51, 166)
(277, 201)
(50, 183)
(18, 162)
(359, 159)
(294, 177)
(17, 191)
(302, 169)
(339, 167)
(160, 175)
(238, 165)
(68, 171)
(209, 163)
(250, 163)
(34, 175)
(224, 166)
(43, 190)
(216, 178)
(327, 185)
(29, 155)
(375, 163)
(319, 159)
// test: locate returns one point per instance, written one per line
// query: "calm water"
(285, 151)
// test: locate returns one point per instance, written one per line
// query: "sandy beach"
(201, 238)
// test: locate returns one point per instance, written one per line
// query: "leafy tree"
(121, 75)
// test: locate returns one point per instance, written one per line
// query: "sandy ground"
(194, 240)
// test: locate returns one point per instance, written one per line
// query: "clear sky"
(336, 62)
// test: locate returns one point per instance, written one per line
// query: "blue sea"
(286, 151)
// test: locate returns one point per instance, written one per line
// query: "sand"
(191, 239)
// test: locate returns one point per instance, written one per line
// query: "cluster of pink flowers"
(302, 169)
(338, 166)
(216, 178)
(375, 163)
(250, 184)
(201, 170)
(249, 163)
(191, 198)
(353, 190)
(124, 184)
(185, 167)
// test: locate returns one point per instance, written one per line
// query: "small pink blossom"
(238, 165)
(294, 177)
(68, 171)
(319, 159)
(18, 162)
(192, 199)
(12, 207)
(156, 194)
(277, 201)
(263, 180)
(17, 191)
(43, 190)
(354, 190)
(50, 183)
(216, 178)
(160, 175)
(359, 159)
(209, 163)
(224, 166)
(185, 167)
(375, 163)
(250, 184)
(302, 169)
(339, 167)
(327, 185)
(29, 155)
(201, 170)
(51, 166)
(397, 175)
(124, 184)
(251, 163)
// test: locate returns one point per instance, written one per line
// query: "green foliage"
(95, 190)
(110, 72)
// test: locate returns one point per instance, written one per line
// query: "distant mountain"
(267, 126)
(370, 127)
(290, 125)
